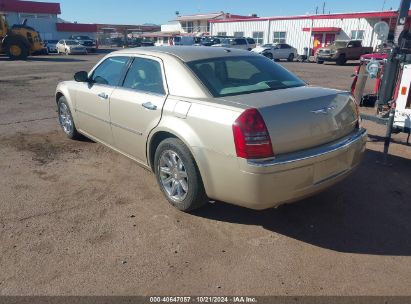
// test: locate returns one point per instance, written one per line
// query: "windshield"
(242, 75)
(340, 44)
(82, 38)
(269, 45)
(71, 42)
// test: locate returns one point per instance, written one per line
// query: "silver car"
(70, 47)
(216, 124)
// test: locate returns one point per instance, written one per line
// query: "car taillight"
(251, 136)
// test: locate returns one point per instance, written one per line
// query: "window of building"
(279, 37)
(165, 40)
(190, 27)
(238, 34)
(258, 37)
(208, 27)
(222, 34)
(357, 35)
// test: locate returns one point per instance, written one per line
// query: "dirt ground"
(79, 219)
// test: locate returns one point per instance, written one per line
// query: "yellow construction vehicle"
(19, 41)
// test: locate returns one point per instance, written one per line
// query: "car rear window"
(242, 75)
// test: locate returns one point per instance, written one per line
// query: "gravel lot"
(79, 219)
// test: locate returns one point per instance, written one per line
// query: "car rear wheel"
(178, 176)
(66, 119)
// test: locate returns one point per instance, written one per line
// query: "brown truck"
(341, 51)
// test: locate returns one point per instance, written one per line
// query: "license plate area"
(330, 168)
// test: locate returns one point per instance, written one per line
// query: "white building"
(307, 31)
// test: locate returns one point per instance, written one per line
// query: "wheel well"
(155, 141)
(58, 96)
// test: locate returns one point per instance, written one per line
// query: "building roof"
(212, 16)
(76, 27)
(200, 16)
(33, 7)
(186, 53)
(367, 15)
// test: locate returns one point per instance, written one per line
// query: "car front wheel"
(178, 176)
(66, 119)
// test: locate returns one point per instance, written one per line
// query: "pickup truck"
(341, 51)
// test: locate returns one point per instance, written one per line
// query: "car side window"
(145, 75)
(285, 46)
(240, 41)
(110, 71)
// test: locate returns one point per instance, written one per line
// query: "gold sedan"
(216, 123)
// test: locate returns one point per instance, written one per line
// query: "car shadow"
(50, 58)
(378, 138)
(368, 213)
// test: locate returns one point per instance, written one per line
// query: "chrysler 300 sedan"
(216, 124)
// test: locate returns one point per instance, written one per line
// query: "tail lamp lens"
(251, 136)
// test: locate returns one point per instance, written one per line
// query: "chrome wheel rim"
(65, 118)
(173, 175)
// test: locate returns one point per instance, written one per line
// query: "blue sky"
(161, 11)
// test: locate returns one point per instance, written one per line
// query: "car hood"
(260, 49)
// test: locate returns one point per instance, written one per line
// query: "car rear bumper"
(261, 184)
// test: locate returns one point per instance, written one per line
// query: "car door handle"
(103, 95)
(149, 106)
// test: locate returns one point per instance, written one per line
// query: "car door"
(93, 98)
(285, 51)
(276, 50)
(136, 106)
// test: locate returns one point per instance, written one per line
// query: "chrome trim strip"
(110, 123)
(126, 128)
(312, 153)
(92, 115)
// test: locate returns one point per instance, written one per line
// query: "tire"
(341, 60)
(319, 61)
(268, 55)
(66, 120)
(67, 52)
(17, 50)
(178, 175)
(290, 57)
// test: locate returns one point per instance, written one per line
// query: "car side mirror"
(81, 76)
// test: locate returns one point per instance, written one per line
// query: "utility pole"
(383, 5)
(323, 7)
(316, 10)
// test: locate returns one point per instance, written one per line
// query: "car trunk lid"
(304, 117)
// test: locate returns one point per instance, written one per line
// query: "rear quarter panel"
(206, 131)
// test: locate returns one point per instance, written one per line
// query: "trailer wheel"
(16, 50)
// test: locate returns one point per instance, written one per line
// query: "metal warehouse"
(312, 31)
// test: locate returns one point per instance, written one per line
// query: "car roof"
(186, 53)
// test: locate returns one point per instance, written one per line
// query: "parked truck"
(341, 51)
(19, 41)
